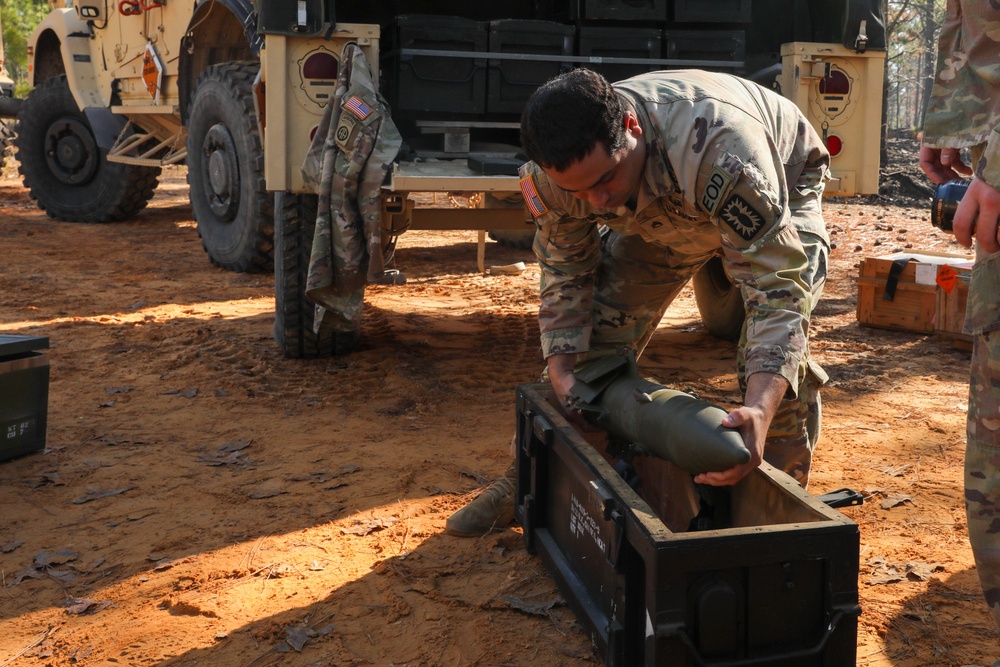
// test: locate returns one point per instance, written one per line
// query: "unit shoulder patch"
(531, 197)
(742, 217)
(346, 126)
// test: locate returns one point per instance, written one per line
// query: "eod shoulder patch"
(739, 214)
(716, 187)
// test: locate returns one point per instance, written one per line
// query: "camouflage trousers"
(982, 455)
(635, 284)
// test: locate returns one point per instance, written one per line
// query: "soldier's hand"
(562, 379)
(943, 164)
(752, 424)
(977, 215)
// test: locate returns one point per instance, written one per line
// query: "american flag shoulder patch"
(358, 107)
(531, 197)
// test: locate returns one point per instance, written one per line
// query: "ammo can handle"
(763, 661)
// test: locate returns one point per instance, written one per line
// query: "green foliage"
(19, 18)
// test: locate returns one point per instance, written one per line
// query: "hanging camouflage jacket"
(964, 109)
(730, 166)
(346, 165)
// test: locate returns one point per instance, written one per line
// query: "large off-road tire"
(6, 141)
(720, 302)
(294, 314)
(225, 162)
(63, 168)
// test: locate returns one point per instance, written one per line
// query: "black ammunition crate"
(719, 11)
(726, 49)
(24, 395)
(511, 81)
(773, 582)
(604, 42)
(423, 85)
(625, 10)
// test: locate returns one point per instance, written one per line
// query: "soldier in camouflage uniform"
(964, 112)
(633, 188)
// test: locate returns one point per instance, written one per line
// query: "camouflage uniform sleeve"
(739, 184)
(963, 108)
(988, 167)
(567, 245)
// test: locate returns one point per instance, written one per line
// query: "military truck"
(236, 90)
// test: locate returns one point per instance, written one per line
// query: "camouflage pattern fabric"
(982, 452)
(964, 109)
(346, 165)
(982, 456)
(731, 168)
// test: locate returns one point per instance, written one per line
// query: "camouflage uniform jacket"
(723, 158)
(964, 109)
(346, 165)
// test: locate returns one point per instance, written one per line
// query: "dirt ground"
(204, 501)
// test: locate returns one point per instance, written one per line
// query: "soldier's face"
(603, 180)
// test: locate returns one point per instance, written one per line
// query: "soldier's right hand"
(560, 367)
(978, 217)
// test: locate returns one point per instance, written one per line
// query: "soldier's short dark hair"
(568, 115)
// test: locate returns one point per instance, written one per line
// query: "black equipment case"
(763, 575)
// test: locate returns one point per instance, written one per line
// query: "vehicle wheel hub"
(71, 152)
(223, 174)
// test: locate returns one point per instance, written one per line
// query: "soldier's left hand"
(752, 424)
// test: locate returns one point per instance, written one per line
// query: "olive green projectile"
(672, 425)
(653, 419)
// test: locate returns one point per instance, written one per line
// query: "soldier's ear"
(632, 125)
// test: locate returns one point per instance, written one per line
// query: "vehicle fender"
(63, 30)
(237, 15)
(244, 13)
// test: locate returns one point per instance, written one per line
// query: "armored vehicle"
(236, 91)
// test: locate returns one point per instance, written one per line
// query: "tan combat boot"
(492, 510)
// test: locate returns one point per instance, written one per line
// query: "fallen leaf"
(45, 480)
(234, 445)
(9, 546)
(81, 654)
(534, 608)
(27, 573)
(895, 500)
(46, 559)
(230, 459)
(367, 526)
(184, 393)
(259, 494)
(80, 606)
(922, 571)
(297, 637)
(97, 494)
(62, 576)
